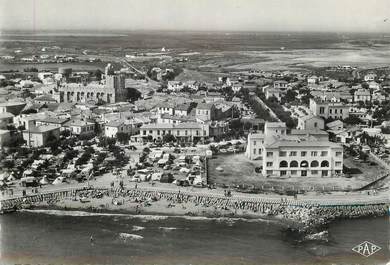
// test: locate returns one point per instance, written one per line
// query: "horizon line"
(32, 31)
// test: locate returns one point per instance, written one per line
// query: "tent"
(28, 181)
(11, 178)
(162, 162)
(156, 176)
(184, 170)
(59, 180)
(44, 180)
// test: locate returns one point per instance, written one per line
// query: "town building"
(175, 86)
(5, 137)
(111, 91)
(79, 127)
(12, 107)
(52, 121)
(335, 125)
(362, 95)
(183, 132)
(28, 120)
(166, 108)
(6, 118)
(328, 109)
(281, 84)
(183, 109)
(273, 93)
(310, 122)
(205, 111)
(313, 79)
(370, 77)
(112, 128)
(37, 136)
(295, 154)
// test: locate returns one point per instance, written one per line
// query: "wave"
(167, 228)
(126, 236)
(145, 218)
(138, 228)
(71, 213)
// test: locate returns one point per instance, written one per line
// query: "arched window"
(304, 163)
(293, 163)
(325, 163)
(314, 163)
(283, 164)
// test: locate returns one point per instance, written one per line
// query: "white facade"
(294, 155)
(326, 109)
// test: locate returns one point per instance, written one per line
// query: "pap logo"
(366, 248)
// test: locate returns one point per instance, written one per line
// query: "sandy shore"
(161, 207)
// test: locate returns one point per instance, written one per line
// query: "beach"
(298, 215)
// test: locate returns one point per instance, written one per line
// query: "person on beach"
(91, 239)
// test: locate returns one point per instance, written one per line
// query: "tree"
(353, 120)
(123, 137)
(106, 141)
(52, 142)
(169, 138)
(65, 133)
(290, 95)
(363, 156)
(132, 94)
(29, 111)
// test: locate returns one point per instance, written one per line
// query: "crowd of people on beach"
(307, 214)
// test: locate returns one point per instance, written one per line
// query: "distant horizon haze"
(196, 15)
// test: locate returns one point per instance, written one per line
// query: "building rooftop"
(184, 125)
(54, 120)
(183, 107)
(309, 117)
(45, 98)
(311, 142)
(11, 103)
(275, 124)
(206, 106)
(78, 123)
(41, 129)
(308, 132)
(6, 115)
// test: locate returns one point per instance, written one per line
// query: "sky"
(197, 15)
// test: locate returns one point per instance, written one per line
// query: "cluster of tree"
(52, 142)
(106, 141)
(120, 158)
(132, 94)
(383, 112)
(290, 96)
(144, 154)
(169, 138)
(371, 141)
(84, 158)
(306, 96)
(385, 130)
(69, 155)
(257, 107)
(30, 69)
(283, 115)
(353, 120)
(123, 137)
(99, 159)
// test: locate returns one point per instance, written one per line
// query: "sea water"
(60, 237)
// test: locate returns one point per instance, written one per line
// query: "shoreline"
(301, 218)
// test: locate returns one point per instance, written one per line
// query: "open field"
(211, 52)
(239, 170)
